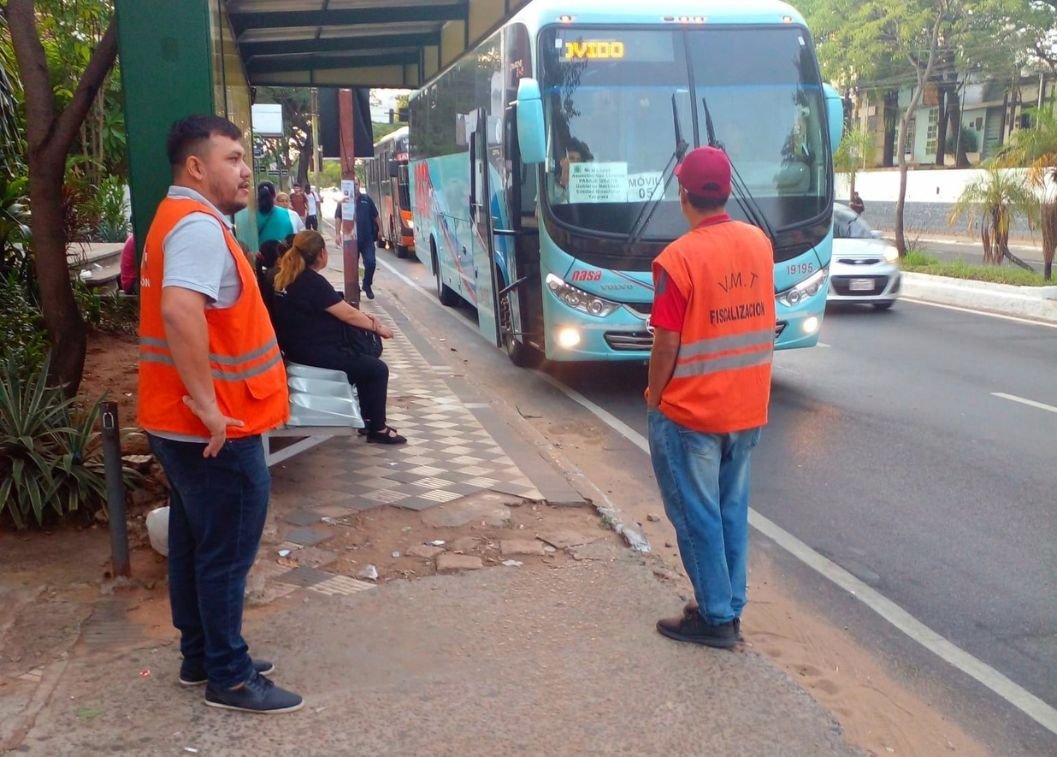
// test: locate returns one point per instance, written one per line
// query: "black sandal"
(387, 435)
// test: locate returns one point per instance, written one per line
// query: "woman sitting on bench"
(311, 321)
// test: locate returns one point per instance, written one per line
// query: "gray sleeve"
(195, 255)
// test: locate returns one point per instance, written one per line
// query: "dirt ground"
(876, 712)
(110, 369)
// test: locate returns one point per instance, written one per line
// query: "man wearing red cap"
(709, 385)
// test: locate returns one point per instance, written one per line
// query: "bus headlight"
(807, 288)
(568, 338)
(578, 299)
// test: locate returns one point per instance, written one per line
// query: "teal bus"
(542, 161)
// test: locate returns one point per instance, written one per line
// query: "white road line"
(1016, 695)
(946, 650)
(1022, 401)
(1013, 318)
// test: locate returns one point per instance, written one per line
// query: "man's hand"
(216, 422)
(383, 331)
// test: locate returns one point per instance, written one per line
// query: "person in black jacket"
(367, 231)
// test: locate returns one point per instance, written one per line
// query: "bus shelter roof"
(359, 43)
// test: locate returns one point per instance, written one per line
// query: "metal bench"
(323, 404)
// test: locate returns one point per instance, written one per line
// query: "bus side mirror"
(394, 169)
(530, 133)
(835, 115)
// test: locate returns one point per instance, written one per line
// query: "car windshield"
(613, 99)
(847, 224)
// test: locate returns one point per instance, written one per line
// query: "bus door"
(483, 240)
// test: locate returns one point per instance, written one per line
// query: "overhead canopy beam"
(322, 62)
(336, 44)
(243, 20)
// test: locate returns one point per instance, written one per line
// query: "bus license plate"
(861, 285)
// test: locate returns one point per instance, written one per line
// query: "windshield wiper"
(642, 220)
(746, 202)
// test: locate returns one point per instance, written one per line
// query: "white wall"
(937, 185)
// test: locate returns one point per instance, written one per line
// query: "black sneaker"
(691, 627)
(258, 695)
(368, 291)
(194, 674)
(691, 608)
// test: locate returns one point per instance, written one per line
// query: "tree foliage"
(995, 200)
(854, 153)
(1036, 150)
(55, 116)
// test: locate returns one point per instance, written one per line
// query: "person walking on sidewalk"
(314, 201)
(709, 385)
(211, 381)
(367, 230)
(298, 201)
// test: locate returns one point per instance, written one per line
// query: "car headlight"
(891, 254)
(578, 299)
(809, 287)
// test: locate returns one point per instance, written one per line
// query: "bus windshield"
(613, 98)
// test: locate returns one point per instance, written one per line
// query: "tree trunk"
(49, 135)
(304, 160)
(1049, 237)
(904, 124)
(891, 123)
(954, 111)
(941, 127)
(66, 329)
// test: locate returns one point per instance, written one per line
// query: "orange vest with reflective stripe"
(722, 378)
(248, 373)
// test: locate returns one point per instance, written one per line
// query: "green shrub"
(106, 311)
(917, 261)
(22, 336)
(50, 454)
(111, 211)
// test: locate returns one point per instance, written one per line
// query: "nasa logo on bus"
(594, 50)
(587, 275)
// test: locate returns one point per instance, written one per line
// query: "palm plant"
(1036, 150)
(996, 199)
(50, 454)
(854, 153)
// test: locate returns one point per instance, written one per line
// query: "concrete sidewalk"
(505, 619)
(503, 661)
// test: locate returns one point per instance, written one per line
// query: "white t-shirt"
(313, 203)
(295, 219)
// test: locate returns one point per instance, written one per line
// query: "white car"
(865, 268)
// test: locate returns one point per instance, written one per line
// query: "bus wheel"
(394, 243)
(445, 294)
(522, 355)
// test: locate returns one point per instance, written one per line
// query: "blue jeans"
(217, 508)
(704, 483)
(367, 255)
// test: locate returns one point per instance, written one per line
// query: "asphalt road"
(889, 452)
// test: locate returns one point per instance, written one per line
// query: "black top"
(302, 323)
(366, 220)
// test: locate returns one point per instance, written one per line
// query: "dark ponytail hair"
(265, 197)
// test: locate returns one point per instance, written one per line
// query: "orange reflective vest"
(722, 378)
(248, 373)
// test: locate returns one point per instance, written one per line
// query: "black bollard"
(115, 490)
